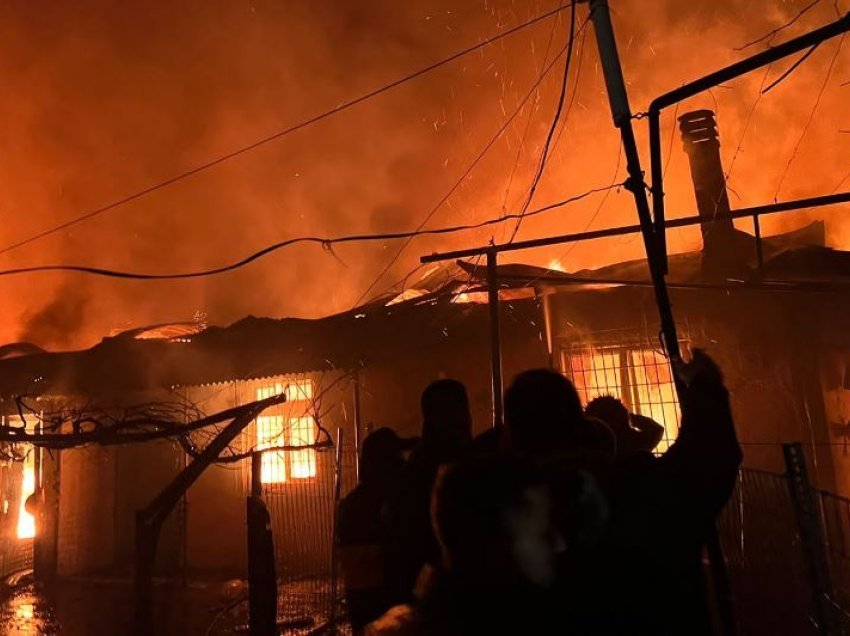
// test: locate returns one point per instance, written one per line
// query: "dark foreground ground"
(104, 608)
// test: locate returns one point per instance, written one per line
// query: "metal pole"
(336, 496)
(812, 539)
(759, 60)
(495, 337)
(357, 424)
(743, 213)
(262, 574)
(622, 114)
(759, 250)
(257, 474)
(621, 111)
(657, 189)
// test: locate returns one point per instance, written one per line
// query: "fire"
(26, 522)
(479, 298)
(25, 611)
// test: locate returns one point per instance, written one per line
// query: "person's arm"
(706, 452)
(647, 432)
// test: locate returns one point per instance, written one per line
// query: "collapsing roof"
(252, 348)
(188, 354)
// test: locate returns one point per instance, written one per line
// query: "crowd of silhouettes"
(563, 520)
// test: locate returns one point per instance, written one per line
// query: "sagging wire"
(464, 175)
(774, 32)
(544, 155)
(278, 135)
(811, 117)
(322, 241)
(534, 106)
(792, 68)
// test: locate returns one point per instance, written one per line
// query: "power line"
(465, 174)
(544, 155)
(275, 136)
(326, 243)
(811, 117)
(793, 67)
(522, 140)
(773, 33)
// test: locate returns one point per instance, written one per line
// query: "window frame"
(300, 392)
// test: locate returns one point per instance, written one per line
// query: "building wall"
(765, 343)
(141, 472)
(86, 510)
(460, 349)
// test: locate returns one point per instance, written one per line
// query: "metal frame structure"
(755, 62)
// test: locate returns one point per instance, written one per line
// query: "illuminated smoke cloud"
(102, 99)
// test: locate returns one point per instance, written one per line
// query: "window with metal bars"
(634, 372)
(289, 424)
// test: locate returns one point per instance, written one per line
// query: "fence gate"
(301, 507)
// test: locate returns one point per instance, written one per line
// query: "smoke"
(105, 99)
(59, 320)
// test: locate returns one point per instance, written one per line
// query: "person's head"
(611, 411)
(496, 524)
(381, 456)
(542, 408)
(446, 420)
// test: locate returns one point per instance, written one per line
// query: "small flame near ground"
(26, 522)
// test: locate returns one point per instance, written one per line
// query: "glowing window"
(302, 432)
(270, 390)
(299, 391)
(287, 425)
(639, 376)
(270, 434)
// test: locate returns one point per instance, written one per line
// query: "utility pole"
(656, 257)
(621, 111)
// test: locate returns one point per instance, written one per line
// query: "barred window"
(637, 374)
(287, 425)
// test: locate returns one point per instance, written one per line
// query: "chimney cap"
(698, 127)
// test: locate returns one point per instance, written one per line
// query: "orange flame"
(26, 522)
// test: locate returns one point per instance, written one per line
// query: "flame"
(25, 611)
(26, 522)
(478, 298)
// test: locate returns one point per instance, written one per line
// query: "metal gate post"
(811, 535)
(336, 495)
(262, 577)
(495, 337)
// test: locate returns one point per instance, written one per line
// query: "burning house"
(770, 309)
(340, 374)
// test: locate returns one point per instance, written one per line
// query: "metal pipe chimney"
(699, 134)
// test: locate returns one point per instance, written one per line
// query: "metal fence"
(835, 514)
(767, 572)
(302, 515)
(767, 550)
(770, 557)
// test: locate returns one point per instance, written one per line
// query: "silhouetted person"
(360, 526)
(495, 522)
(446, 433)
(634, 433)
(649, 576)
(544, 419)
